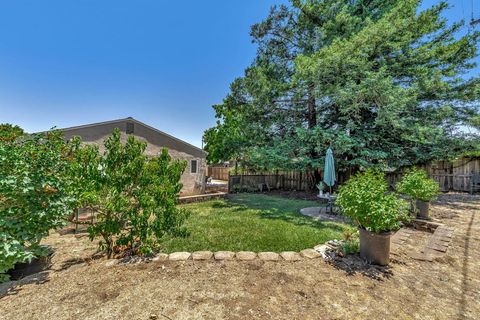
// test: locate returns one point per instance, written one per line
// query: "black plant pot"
(423, 209)
(375, 247)
(24, 269)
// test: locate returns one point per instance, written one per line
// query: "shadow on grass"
(223, 205)
(300, 220)
(277, 208)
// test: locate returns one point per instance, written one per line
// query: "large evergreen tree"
(382, 82)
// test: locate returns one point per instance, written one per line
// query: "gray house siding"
(193, 183)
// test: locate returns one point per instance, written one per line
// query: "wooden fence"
(285, 180)
(451, 176)
(456, 175)
(219, 173)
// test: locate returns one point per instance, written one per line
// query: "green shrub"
(35, 192)
(134, 197)
(236, 189)
(416, 184)
(364, 198)
(11, 252)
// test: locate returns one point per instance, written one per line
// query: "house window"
(193, 166)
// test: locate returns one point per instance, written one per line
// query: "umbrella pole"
(330, 200)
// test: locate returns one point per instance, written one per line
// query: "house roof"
(139, 123)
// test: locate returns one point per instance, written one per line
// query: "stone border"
(239, 256)
(437, 244)
(319, 251)
(425, 225)
(202, 197)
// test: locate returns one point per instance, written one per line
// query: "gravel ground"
(78, 287)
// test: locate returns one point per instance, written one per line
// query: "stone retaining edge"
(319, 251)
(202, 197)
(425, 225)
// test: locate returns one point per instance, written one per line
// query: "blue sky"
(66, 63)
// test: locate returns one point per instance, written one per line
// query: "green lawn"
(253, 222)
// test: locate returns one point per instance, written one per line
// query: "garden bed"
(80, 287)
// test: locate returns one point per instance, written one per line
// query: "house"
(193, 179)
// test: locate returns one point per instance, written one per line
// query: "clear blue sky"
(66, 63)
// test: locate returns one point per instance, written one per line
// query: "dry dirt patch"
(80, 288)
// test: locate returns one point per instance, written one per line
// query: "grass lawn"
(253, 222)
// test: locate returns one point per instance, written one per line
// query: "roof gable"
(151, 134)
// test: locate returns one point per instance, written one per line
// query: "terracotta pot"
(423, 209)
(375, 247)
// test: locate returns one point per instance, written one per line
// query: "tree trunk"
(312, 108)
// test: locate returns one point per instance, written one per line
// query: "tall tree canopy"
(383, 83)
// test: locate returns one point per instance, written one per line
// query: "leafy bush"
(416, 184)
(364, 198)
(134, 197)
(236, 188)
(11, 252)
(43, 178)
(35, 192)
(85, 173)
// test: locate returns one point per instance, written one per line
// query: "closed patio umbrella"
(329, 176)
(329, 171)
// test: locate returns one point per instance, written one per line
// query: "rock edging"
(320, 251)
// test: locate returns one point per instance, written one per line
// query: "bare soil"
(79, 287)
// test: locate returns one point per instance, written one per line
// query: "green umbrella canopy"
(329, 172)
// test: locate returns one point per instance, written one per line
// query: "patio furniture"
(330, 198)
(264, 186)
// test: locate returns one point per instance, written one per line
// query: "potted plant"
(320, 188)
(421, 189)
(365, 199)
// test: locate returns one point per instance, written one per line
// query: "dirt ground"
(75, 288)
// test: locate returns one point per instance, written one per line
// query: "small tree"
(136, 197)
(365, 199)
(416, 184)
(34, 192)
(421, 189)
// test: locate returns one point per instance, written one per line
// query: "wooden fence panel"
(287, 180)
(219, 173)
(451, 176)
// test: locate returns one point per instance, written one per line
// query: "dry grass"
(448, 288)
